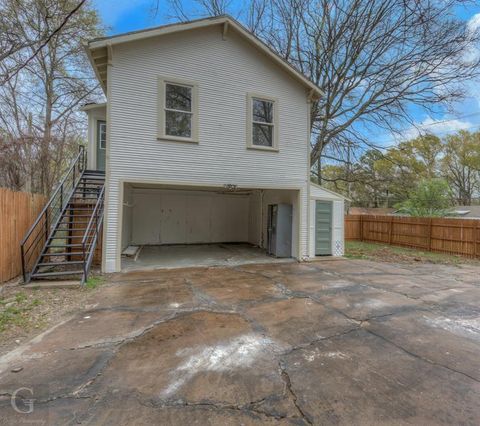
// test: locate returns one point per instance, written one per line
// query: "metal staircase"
(62, 241)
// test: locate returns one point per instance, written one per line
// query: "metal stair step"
(68, 237)
(72, 253)
(72, 262)
(72, 222)
(71, 229)
(77, 215)
(63, 245)
(53, 274)
(82, 198)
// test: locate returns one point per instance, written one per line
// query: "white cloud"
(473, 23)
(437, 127)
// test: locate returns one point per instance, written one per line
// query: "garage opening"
(172, 227)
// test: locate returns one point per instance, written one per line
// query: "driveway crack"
(289, 390)
(429, 361)
(214, 405)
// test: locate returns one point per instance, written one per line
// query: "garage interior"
(182, 226)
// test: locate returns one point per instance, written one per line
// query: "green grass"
(15, 311)
(382, 252)
(94, 282)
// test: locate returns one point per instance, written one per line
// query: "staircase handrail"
(45, 219)
(94, 214)
(97, 216)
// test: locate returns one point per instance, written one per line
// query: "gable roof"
(332, 194)
(99, 49)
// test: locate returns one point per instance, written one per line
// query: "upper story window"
(178, 110)
(262, 123)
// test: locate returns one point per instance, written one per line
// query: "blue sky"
(129, 15)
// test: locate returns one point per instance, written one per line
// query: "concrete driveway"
(331, 342)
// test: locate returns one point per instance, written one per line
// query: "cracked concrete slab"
(154, 294)
(344, 342)
(61, 411)
(448, 341)
(132, 412)
(298, 322)
(198, 357)
(456, 301)
(363, 302)
(359, 378)
(57, 374)
(95, 328)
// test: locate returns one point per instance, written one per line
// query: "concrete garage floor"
(196, 255)
(334, 342)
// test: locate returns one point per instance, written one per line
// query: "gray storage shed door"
(323, 228)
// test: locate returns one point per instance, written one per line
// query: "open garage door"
(188, 217)
(212, 226)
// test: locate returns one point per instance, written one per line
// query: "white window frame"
(162, 82)
(101, 123)
(250, 122)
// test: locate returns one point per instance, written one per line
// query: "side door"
(323, 228)
(101, 144)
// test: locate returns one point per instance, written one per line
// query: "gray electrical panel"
(279, 231)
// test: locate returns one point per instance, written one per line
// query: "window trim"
(161, 134)
(250, 122)
(99, 132)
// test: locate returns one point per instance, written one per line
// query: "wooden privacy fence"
(443, 235)
(18, 210)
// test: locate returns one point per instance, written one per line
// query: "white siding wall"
(94, 115)
(185, 217)
(225, 72)
(318, 193)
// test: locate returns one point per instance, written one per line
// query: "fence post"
(390, 231)
(475, 239)
(361, 227)
(429, 242)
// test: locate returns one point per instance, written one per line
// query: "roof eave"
(88, 51)
(330, 191)
(89, 107)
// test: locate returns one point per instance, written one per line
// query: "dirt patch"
(26, 312)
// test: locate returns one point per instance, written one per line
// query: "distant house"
(467, 212)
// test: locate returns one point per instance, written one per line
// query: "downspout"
(262, 240)
(309, 112)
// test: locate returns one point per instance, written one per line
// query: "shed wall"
(318, 193)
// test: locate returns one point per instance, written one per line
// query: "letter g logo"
(28, 403)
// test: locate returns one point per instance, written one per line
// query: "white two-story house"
(205, 138)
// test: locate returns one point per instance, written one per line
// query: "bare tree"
(18, 44)
(39, 103)
(374, 60)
